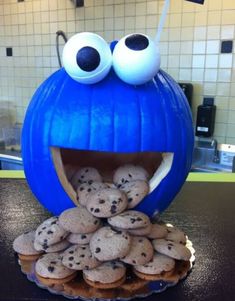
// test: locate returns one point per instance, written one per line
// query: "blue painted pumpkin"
(110, 116)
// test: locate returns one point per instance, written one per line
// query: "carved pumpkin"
(104, 125)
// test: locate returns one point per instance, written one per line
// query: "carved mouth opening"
(157, 164)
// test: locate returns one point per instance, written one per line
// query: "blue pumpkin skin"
(108, 116)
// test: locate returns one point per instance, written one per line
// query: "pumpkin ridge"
(149, 118)
(30, 152)
(61, 82)
(113, 126)
(140, 114)
(176, 103)
(71, 131)
(33, 109)
(90, 116)
(181, 105)
(29, 134)
(163, 106)
(159, 85)
(191, 136)
(56, 100)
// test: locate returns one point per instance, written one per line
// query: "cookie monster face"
(103, 110)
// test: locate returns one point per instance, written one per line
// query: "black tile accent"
(20, 0)
(196, 1)
(226, 46)
(9, 51)
(78, 3)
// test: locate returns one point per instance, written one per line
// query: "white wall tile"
(220, 131)
(200, 33)
(174, 34)
(152, 8)
(198, 61)
(186, 47)
(164, 61)
(186, 61)
(174, 47)
(231, 130)
(212, 47)
(213, 32)
(129, 23)
(119, 10)
(89, 13)
(187, 33)
(129, 9)
(45, 4)
(163, 48)
(119, 23)
(173, 61)
(227, 32)
(199, 47)
(140, 22)
(198, 75)
(231, 117)
(224, 75)
(140, 9)
(36, 6)
(99, 25)
(225, 60)
(222, 102)
(229, 140)
(185, 74)
(210, 75)
(223, 89)
(212, 61)
(89, 25)
(108, 24)
(21, 7)
(210, 88)
(109, 11)
(80, 13)
(99, 12)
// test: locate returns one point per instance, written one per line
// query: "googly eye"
(136, 59)
(87, 58)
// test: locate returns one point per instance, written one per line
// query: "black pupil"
(137, 42)
(88, 58)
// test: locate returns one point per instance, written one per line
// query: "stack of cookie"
(130, 179)
(104, 236)
(50, 236)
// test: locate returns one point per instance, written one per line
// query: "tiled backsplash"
(190, 45)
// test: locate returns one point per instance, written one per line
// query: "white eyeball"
(136, 59)
(87, 58)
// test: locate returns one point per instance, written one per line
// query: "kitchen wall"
(190, 46)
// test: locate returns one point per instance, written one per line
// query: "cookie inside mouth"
(157, 164)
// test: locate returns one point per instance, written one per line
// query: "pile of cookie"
(130, 184)
(103, 236)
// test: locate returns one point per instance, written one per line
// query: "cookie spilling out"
(109, 256)
(102, 243)
(68, 161)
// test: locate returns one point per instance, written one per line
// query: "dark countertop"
(205, 211)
